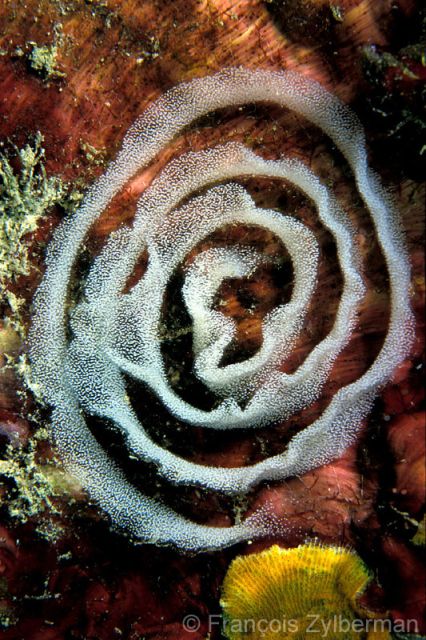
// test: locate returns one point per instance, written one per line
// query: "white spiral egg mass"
(80, 357)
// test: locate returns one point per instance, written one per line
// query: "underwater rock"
(116, 59)
(406, 437)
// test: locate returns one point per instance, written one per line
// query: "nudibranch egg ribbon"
(115, 332)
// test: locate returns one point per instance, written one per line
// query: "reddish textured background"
(117, 57)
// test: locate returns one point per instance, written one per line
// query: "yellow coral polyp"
(295, 593)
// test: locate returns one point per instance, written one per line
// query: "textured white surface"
(114, 332)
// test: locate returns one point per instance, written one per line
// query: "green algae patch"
(27, 194)
(419, 538)
(25, 197)
(31, 488)
(43, 59)
(31, 485)
(95, 157)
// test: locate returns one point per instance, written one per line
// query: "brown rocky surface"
(80, 72)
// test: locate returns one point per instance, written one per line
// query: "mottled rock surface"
(80, 72)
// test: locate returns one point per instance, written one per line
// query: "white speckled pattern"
(115, 332)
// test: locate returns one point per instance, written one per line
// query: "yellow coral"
(293, 593)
